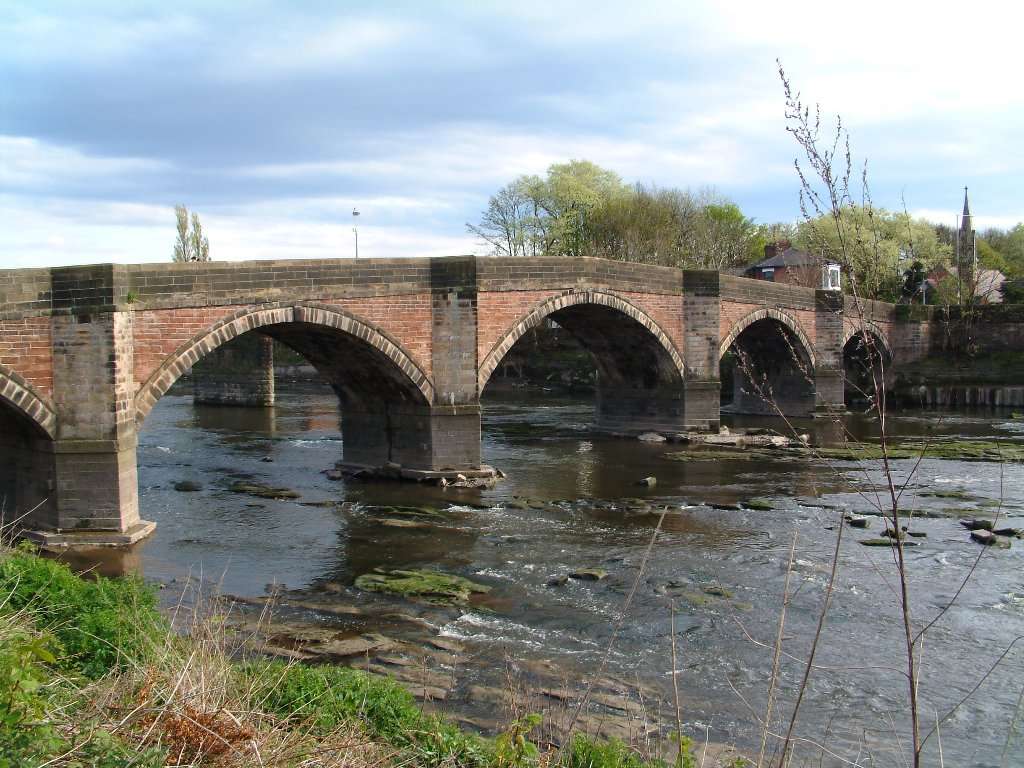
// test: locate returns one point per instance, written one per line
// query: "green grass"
(55, 627)
(326, 697)
(98, 624)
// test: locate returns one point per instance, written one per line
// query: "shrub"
(31, 705)
(25, 733)
(611, 753)
(99, 624)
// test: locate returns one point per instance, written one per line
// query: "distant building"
(785, 264)
(972, 283)
(966, 247)
(985, 284)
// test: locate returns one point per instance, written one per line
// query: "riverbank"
(92, 673)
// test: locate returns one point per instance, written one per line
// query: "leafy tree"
(191, 244)
(645, 225)
(913, 279)
(581, 209)
(876, 244)
(535, 216)
(990, 258)
(570, 195)
(723, 237)
(1012, 249)
(508, 224)
(1013, 291)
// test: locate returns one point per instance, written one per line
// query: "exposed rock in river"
(589, 574)
(263, 491)
(426, 586)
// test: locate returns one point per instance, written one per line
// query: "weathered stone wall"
(702, 308)
(240, 372)
(511, 288)
(26, 345)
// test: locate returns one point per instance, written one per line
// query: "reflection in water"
(571, 501)
(103, 561)
(247, 420)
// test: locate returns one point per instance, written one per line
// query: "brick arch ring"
(189, 353)
(850, 330)
(768, 313)
(21, 396)
(569, 299)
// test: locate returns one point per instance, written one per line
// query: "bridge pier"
(635, 410)
(95, 495)
(420, 439)
(829, 371)
(702, 308)
(240, 372)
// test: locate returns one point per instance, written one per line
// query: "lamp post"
(355, 229)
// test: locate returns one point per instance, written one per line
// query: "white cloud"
(85, 35)
(62, 232)
(678, 94)
(951, 217)
(483, 157)
(288, 48)
(31, 163)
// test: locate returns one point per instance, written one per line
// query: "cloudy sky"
(274, 120)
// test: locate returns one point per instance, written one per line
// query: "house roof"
(791, 257)
(988, 283)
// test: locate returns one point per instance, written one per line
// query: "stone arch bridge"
(408, 345)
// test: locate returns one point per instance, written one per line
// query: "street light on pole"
(355, 229)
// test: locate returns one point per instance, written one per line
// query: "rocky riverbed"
(573, 503)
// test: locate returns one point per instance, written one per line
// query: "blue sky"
(273, 120)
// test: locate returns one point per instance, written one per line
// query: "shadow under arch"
(28, 428)
(867, 359)
(767, 366)
(640, 372)
(385, 396)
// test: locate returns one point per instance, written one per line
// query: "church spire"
(966, 222)
(965, 243)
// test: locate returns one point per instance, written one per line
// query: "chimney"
(770, 250)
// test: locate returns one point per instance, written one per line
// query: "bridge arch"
(19, 395)
(864, 327)
(768, 365)
(28, 428)
(276, 321)
(768, 313)
(867, 356)
(640, 372)
(574, 298)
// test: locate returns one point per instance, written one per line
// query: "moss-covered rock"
(864, 452)
(714, 454)
(589, 574)
(263, 491)
(759, 505)
(716, 590)
(425, 586)
(953, 494)
(886, 542)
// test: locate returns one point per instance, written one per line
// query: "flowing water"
(571, 500)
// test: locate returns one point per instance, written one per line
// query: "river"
(570, 501)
